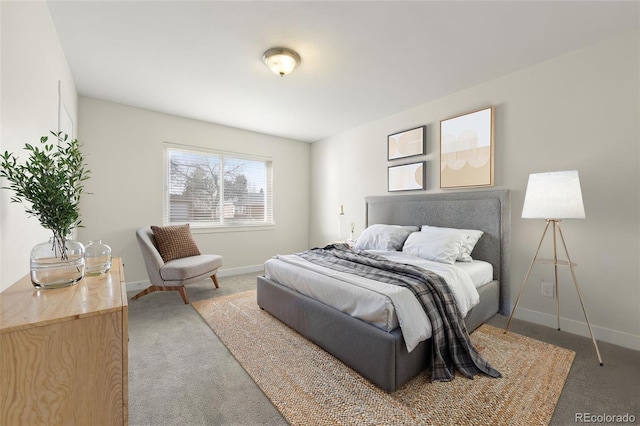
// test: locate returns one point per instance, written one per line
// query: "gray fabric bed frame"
(382, 356)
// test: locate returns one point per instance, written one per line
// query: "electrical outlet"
(547, 289)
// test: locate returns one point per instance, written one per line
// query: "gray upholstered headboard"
(488, 211)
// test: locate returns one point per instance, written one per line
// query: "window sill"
(231, 228)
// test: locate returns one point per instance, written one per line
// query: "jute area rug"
(309, 386)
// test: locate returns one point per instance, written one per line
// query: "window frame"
(200, 227)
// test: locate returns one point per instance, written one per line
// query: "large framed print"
(466, 149)
(407, 143)
(407, 177)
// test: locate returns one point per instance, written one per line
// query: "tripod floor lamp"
(554, 196)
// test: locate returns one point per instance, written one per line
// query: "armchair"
(172, 275)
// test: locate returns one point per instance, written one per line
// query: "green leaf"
(49, 183)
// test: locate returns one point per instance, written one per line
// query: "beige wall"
(32, 65)
(579, 111)
(124, 150)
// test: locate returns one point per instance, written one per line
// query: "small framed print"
(407, 177)
(466, 149)
(407, 143)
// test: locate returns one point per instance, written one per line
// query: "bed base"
(377, 355)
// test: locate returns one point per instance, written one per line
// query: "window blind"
(212, 189)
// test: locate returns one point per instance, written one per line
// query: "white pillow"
(384, 237)
(470, 238)
(443, 247)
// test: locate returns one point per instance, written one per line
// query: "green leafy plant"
(49, 185)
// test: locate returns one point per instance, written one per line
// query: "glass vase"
(54, 265)
(97, 258)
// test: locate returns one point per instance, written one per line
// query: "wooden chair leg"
(183, 293)
(215, 280)
(147, 290)
(153, 288)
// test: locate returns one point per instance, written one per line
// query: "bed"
(379, 355)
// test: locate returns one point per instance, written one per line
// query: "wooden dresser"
(63, 352)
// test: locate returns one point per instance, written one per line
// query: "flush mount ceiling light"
(281, 60)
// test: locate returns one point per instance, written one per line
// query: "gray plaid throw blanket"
(452, 347)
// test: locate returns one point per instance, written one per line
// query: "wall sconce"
(281, 60)
(340, 219)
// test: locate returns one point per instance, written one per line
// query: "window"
(213, 189)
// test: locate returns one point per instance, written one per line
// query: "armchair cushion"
(188, 267)
(175, 242)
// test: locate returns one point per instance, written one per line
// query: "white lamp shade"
(553, 195)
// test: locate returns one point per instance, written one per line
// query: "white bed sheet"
(384, 305)
(481, 272)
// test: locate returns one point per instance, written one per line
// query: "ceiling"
(361, 60)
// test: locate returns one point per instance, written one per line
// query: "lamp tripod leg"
(575, 282)
(555, 273)
(524, 284)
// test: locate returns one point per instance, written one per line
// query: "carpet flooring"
(309, 386)
(180, 373)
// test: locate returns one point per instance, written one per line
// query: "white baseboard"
(141, 285)
(620, 338)
(137, 285)
(239, 271)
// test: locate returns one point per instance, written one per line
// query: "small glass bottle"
(97, 258)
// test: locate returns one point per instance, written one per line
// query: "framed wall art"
(407, 143)
(407, 177)
(466, 149)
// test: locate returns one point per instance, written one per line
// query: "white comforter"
(409, 313)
